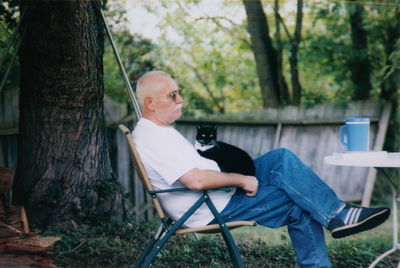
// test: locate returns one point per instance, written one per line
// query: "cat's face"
(206, 134)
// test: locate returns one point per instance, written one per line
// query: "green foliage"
(324, 53)
(133, 50)
(314, 97)
(134, 53)
(210, 58)
(359, 253)
(105, 189)
(12, 82)
(211, 55)
(326, 48)
(9, 15)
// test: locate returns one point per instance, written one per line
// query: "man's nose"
(179, 98)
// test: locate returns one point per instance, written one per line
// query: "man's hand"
(250, 186)
(197, 179)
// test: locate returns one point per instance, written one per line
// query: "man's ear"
(149, 103)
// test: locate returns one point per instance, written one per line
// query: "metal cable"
(122, 69)
(3, 82)
(12, 38)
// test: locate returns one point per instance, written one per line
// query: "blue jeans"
(289, 194)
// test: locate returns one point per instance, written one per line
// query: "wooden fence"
(309, 133)
(9, 114)
(312, 134)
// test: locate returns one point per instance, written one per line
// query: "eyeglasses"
(174, 94)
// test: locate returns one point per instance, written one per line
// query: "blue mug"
(357, 133)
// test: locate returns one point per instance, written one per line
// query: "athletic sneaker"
(353, 219)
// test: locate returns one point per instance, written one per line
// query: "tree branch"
(284, 26)
(205, 85)
(217, 22)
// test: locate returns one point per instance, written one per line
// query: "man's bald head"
(149, 84)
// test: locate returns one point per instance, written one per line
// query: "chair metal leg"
(170, 232)
(164, 233)
(160, 232)
(230, 243)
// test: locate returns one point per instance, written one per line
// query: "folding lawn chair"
(168, 227)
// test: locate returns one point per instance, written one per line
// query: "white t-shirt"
(167, 156)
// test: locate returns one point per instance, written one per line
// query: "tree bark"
(284, 91)
(64, 171)
(294, 68)
(360, 65)
(390, 86)
(392, 82)
(264, 53)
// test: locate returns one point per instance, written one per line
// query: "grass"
(119, 244)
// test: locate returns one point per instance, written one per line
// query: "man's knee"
(273, 159)
(275, 155)
(281, 152)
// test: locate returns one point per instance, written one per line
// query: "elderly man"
(283, 192)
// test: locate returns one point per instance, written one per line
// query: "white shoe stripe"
(346, 219)
(353, 215)
(350, 221)
(358, 215)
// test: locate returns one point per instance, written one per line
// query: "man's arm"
(198, 179)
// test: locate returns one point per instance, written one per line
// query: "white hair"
(149, 83)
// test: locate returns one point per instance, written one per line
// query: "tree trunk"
(392, 82)
(284, 91)
(64, 171)
(294, 69)
(264, 53)
(360, 65)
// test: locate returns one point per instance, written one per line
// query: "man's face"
(167, 102)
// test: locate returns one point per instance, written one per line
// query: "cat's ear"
(198, 127)
(215, 127)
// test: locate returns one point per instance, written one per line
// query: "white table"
(378, 160)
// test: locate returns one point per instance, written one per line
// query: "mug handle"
(342, 136)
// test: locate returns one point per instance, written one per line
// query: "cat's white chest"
(201, 147)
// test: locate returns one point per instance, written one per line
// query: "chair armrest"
(169, 190)
(225, 189)
(184, 189)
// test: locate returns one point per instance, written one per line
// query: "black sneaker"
(353, 219)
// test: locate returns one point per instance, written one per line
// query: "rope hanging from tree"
(8, 47)
(122, 69)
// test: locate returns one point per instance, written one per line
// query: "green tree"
(294, 45)
(360, 65)
(135, 53)
(265, 55)
(327, 53)
(210, 58)
(323, 61)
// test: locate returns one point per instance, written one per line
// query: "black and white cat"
(228, 157)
